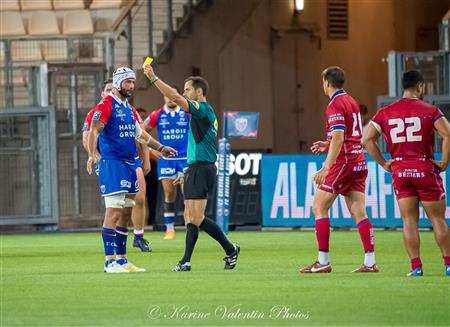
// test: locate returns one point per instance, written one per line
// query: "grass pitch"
(57, 280)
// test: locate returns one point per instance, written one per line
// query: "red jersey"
(88, 120)
(343, 114)
(408, 127)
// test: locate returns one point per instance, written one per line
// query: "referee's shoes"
(231, 259)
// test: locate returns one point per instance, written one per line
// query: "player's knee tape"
(169, 207)
(115, 201)
(129, 203)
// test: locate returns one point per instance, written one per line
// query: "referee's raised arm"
(166, 89)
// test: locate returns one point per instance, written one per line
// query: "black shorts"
(199, 180)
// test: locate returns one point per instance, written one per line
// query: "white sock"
(187, 263)
(170, 227)
(369, 259)
(323, 258)
(138, 232)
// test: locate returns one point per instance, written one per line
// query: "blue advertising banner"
(241, 124)
(288, 193)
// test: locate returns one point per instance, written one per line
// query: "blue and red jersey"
(173, 126)
(117, 140)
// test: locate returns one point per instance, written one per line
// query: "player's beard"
(125, 94)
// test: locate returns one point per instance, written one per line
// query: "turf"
(57, 280)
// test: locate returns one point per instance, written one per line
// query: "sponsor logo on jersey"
(120, 114)
(181, 113)
(168, 171)
(163, 122)
(96, 115)
(125, 183)
(85, 126)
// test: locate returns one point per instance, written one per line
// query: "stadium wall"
(257, 57)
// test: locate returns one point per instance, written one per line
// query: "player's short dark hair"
(411, 78)
(363, 109)
(107, 81)
(198, 82)
(335, 76)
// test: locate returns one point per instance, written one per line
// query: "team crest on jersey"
(85, 126)
(241, 124)
(96, 115)
(102, 188)
(181, 113)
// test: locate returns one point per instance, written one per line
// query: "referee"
(200, 177)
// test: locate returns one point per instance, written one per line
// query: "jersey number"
(356, 123)
(410, 130)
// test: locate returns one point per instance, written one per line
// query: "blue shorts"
(138, 163)
(116, 176)
(170, 168)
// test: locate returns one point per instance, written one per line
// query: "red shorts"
(346, 177)
(417, 178)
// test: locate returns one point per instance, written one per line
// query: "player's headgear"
(121, 74)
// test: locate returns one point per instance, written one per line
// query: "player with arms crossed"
(142, 166)
(344, 172)
(111, 143)
(172, 123)
(201, 157)
(408, 126)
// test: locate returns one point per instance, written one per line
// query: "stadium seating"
(9, 5)
(11, 24)
(97, 4)
(43, 23)
(36, 4)
(78, 22)
(65, 4)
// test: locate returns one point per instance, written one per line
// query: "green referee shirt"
(202, 133)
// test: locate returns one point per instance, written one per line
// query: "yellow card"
(148, 61)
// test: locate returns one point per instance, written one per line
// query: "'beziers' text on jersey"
(202, 135)
(117, 140)
(343, 114)
(172, 127)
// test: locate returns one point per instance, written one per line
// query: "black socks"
(213, 230)
(191, 239)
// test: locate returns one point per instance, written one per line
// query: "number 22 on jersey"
(412, 125)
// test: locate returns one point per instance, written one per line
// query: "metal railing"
(17, 56)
